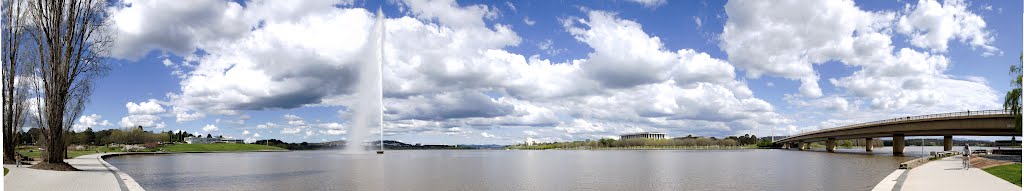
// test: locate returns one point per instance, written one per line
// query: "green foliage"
(1013, 97)
(1009, 172)
(5, 171)
(689, 142)
(218, 147)
(764, 143)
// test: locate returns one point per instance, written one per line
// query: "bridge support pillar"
(947, 143)
(785, 146)
(898, 143)
(869, 144)
(830, 145)
(802, 146)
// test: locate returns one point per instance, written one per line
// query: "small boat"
(380, 152)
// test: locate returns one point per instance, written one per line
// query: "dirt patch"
(62, 166)
(983, 163)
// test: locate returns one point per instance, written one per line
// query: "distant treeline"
(134, 135)
(688, 141)
(388, 144)
(938, 142)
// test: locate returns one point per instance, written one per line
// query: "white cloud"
(255, 135)
(528, 21)
(139, 120)
(486, 135)
(290, 131)
(650, 3)
(294, 120)
(185, 116)
(210, 128)
(245, 132)
(932, 25)
(786, 38)
(473, 84)
(177, 27)
(448, 12)
(697, 21)
(267, 125)
(143, 114)
(89, 121)
(792, 37)
(144, 108)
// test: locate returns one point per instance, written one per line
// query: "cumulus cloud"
(142, 114)
(932, 25)
(145, 108)
(454, 74)
(211, 128)
(89, 121)
(787, 39)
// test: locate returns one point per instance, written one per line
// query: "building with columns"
(643, 135)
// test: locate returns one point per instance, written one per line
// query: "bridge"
(966, 123)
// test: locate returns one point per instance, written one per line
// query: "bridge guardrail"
(910, 118)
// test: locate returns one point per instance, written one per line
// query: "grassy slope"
(1010, 172)
(71, 154)
(217, 147)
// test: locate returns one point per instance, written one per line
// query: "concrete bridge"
(967, 123)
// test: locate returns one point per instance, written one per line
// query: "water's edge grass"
(1009, 172)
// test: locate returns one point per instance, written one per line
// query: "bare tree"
(14, 67)
(71, 41)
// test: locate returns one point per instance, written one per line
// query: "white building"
(202, 140)
(643, 135)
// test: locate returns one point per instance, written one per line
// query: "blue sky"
(506, 72)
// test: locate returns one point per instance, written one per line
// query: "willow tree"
(14, 68)
(70, 38)
(1012, 100)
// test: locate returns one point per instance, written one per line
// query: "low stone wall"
(921, 161)
(914, 163)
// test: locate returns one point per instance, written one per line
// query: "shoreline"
(96, 173)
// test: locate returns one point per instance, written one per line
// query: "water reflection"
(850, 169)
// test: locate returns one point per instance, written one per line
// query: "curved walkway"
(944, 174)
(96, 174)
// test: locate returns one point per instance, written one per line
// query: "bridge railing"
(910, 118)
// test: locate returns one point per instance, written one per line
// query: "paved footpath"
(948, 174)
(96, 174)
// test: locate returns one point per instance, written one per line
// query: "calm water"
(515, 170)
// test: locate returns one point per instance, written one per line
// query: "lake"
(747, 169)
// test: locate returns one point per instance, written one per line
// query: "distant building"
(643, 135)
(203, 140)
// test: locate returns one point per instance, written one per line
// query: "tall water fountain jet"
(369, 107)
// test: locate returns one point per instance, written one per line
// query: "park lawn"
(1009, 172)
(71, 154)
(218, 147)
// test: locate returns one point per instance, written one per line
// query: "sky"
(495, 72)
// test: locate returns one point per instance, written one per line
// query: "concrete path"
(948, 174)
(96, 174)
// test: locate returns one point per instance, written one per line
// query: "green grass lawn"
(220, 147)
(1010, 172)
(34, 152)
